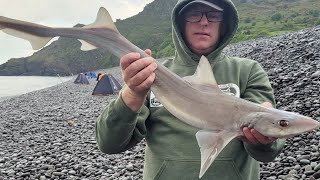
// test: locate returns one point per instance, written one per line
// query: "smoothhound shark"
(195, 100)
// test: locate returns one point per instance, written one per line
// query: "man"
(200, 27)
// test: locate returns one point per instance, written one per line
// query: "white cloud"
(58, 13)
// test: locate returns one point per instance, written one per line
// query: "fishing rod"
(63, 82)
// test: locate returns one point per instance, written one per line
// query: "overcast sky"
(57, 13)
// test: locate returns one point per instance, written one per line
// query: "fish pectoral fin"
(36, 42)
(85, 46)
(211, 144)
(103, 20)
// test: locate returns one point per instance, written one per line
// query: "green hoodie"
(172, 151)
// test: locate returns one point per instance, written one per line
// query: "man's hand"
(138, 74)
(254, 137)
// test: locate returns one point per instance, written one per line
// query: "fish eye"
(283, 123)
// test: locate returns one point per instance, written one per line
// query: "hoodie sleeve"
(118, 128)
(259, 90)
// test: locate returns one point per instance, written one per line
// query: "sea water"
(17, 85)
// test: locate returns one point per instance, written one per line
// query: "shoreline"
(50, 133)
(19, 85)
(7, 97)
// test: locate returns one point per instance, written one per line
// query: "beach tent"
(106, 85)
(98, 76)
(81, 79)
(91, 75)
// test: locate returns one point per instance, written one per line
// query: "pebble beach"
(50, 133)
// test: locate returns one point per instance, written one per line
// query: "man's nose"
(204, 19)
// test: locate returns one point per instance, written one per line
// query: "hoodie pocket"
(222, 169)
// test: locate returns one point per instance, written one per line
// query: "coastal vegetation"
(151, 28)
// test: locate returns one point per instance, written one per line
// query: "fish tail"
(17, 28)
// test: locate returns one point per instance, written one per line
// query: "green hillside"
(152, 29)
(260, 18)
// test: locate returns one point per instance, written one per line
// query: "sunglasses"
(196, 16)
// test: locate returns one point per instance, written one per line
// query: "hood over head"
(204, 2)
(229, 27)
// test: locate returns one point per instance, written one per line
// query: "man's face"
(202, 37)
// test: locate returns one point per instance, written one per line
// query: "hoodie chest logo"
(230, 89)
(154, 102)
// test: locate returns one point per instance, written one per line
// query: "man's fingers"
(127, 59)
(247, 133)
(272, 139)
(136, 66)
(259, 137)
(254, 137)
(142, 75)
(148, 51)
(243, 138)
(267, 104)
(146, 84)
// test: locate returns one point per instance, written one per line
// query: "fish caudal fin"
(36, 42)
(211, 143)
(18, 29)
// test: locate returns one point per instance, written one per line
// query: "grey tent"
(107, 85)
(81, 79)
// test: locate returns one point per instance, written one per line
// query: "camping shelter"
(91, 75)
(81, 79)
(107, 85)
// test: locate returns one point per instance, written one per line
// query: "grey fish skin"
(220, 116)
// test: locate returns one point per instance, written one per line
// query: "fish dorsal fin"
(211, 144)
(103, 20)
(85, 46)
(203, 74)
(36, 42)
(203, 79)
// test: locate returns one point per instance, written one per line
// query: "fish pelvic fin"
(36, 42)
(85, 46)
(103, 20)
(211, 144)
